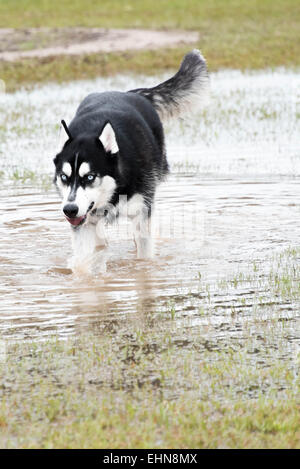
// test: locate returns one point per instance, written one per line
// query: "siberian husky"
(114, 150)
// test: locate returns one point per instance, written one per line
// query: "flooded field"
(233, 198)
(241, 224)
(213, 318)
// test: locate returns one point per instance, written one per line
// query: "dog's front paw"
(93, 264)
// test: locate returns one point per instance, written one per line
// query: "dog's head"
(85, 170)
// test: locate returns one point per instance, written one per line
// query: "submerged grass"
(167, 380)
(25, 176)
(233, 34)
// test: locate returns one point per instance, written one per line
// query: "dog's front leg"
(142, 236)
(100, 231)
(85, 241)
(144, 247)
(140, 214)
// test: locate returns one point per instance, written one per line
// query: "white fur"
(84, 240)
(108, 139)
(100, 231)
(100, 192)
(142, 236)
(67, 169)
(84, 169)
(84, 197)
(88, 237)
(85, 259)
(107, 188)
(138, 212)
(144, 247)
(132, 207)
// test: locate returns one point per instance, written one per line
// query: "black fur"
(175, 96)
(141, 162)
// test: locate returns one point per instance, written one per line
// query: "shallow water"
(234, 191)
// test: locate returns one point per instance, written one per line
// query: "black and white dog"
(115, 147)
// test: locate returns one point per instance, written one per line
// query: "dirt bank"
(46, 42)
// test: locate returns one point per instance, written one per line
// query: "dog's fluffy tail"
(185, 92)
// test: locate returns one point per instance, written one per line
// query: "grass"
(234, 34)
(26, 176)
(91, 392)
(152, 384)
(187, 14)
(124, 422)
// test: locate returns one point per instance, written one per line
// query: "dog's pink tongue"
(75, 221)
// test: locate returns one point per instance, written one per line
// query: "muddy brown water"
(238, 222)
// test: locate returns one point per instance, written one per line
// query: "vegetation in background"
(233, 34)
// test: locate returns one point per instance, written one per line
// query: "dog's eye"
(90, 177)
(63, 177)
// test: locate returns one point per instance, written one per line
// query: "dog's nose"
(70, 210)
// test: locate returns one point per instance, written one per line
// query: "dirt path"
(44, 42)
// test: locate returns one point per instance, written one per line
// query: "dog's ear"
(108, 139)
(66, 130)
(62, 135)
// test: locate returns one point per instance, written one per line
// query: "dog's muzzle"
(71, 210)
